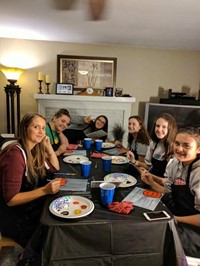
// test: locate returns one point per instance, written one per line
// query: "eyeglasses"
(101, 121)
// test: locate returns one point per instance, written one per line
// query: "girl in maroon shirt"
(23, 166)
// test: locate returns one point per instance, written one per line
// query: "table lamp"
(12, 75)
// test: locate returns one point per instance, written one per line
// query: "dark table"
(104, 237)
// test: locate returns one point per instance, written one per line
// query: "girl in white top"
(160, 149)
(138, 138)
(181, 187)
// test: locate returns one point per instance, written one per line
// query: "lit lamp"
(12, 75)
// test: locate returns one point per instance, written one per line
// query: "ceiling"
(148, 23)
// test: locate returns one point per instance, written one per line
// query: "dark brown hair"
(142, 135)
(105, 127)
(61, 112)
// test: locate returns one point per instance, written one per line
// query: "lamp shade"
(12, 73)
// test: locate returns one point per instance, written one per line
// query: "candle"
(40, 76)
(47, 79)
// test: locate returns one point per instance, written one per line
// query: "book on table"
(94, 134)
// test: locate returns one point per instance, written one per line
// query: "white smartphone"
(156, 215)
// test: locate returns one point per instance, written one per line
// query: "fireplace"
(117, 109)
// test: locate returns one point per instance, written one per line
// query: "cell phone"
(156, 215)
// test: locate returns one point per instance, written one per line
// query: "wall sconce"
(12, 75)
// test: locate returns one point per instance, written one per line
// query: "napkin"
(72, 146)
(123, 207)
(97, 155)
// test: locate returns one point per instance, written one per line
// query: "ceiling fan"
(96, 8)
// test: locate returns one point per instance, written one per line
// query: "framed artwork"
(87, 71)
(64, 88)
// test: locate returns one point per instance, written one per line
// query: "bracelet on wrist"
(135, 162)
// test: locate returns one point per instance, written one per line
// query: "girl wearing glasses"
(100, 123)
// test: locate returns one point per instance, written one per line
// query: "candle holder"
(47, 84)
(40, 87)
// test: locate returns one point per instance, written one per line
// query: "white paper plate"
(71, 207)
(127, 180)
(106, 145)
(75, 159)
(119, 160)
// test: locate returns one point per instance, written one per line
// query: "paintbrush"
(71, 174)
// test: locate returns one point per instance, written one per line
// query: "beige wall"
(142, 72)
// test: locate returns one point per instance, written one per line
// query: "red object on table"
(72, 146)
(97, 155)
(121, 207)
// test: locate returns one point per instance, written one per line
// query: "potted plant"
(118, 132)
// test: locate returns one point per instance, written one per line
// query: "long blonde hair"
(36, 156)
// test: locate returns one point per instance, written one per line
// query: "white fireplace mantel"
(117, 109)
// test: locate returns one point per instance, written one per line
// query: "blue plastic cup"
(87, 143)
(85, 168)
(107, 160)
(107, 193)
(98, 144)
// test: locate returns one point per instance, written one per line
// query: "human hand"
(143, 170)
(118, 144)
(47, 144)
(46, 141)
(87, 119)
(62, 148)
(54, 186)
(147, 178)
(130, 155)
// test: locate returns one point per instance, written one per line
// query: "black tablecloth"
(104, 237)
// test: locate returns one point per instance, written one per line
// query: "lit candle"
(40, 76)
(47, 79)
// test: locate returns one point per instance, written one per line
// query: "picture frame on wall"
(64, 88)
(87, 71)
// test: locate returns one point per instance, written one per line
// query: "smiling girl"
(23, 167)
(138, 138)
(99, 123)
(160, 150)
(183, 182)
(55, 128)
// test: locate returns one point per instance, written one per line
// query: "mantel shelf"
(117, 109)
(84, 98)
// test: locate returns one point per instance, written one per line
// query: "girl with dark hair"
(160, 149)
(55, 128)
(138, 138)
(183, 183)
(23, 166)
(100, 123)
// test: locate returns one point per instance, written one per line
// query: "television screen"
(185, 115)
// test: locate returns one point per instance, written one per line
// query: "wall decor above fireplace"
(87, 71)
